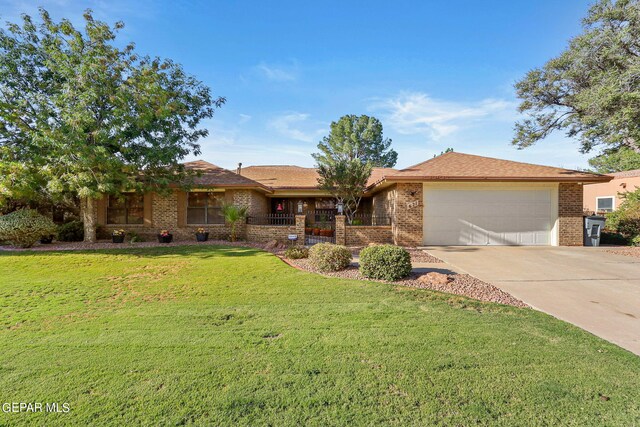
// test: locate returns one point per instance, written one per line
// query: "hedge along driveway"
(218, 335)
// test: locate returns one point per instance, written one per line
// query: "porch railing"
(367, 219)
(272, 219)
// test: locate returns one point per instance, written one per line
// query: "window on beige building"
(605, 204)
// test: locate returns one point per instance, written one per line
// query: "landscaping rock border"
(633, 251)
(458, 284)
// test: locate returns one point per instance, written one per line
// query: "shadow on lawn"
(203, 252)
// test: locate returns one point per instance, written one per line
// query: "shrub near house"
(385, 262)
(296, 252)
(626, 219)
(329, 257)
(25, 227)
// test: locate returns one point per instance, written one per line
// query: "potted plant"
(316, 231)
(202, 235)
(46, 240)
(117, 236)
(165, 237)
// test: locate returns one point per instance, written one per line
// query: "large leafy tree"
(80, 115)
(615, 160)
(592, 89)
(347, 156)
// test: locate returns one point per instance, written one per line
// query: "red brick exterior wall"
(167, 214)
(356, 235)
(407, 224)
(384, 202)
(570, 210)
(341, 238)
(266, 233)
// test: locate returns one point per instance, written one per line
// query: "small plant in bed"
(165, 237)
(385, 262)
(329, 257)
(202, 235)
(117, 236)
(296, 252)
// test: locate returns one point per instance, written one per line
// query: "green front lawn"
(233, 336)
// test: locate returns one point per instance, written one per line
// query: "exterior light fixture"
(340, 207)
(300, 206)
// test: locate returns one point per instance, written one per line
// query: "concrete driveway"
(593, 289)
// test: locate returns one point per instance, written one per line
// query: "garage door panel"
(488, 216)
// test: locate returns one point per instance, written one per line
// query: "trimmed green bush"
(25, 227)
(330, 257)
(385, 262)
(296, 252)
(72, 231)
(613, 238)
(635, 241)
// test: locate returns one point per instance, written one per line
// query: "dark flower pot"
(202, 237)
(117, 239)
(165, 239)
(46, 240)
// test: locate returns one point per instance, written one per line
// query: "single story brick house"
(452, 199)
(607, 196)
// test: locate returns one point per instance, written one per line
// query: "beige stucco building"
(607, 196)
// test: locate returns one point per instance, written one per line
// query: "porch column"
(300, 219)
(341, 237)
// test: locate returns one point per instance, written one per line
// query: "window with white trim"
(605, 204)
(205, 207)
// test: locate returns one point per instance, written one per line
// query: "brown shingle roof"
(213, 175)
(293, 177)
(626, 174)
(467, 167)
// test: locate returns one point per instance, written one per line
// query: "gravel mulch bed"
(418, 255)
(633, 251)
(469, 286)
(462, 284)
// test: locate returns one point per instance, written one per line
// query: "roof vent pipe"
(239, 170)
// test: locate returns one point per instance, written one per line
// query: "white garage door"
(489, 215)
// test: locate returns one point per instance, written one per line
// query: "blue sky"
(437, 74)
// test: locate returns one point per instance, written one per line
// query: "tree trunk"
(89, 219)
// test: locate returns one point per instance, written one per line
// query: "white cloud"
(418, 113)
(295, 126)
(278, 73)
(244, 118)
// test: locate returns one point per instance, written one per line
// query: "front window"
(325, 203)
(205, 208)
(605, 204)
(126, 209)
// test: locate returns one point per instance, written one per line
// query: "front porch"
(316, 220)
